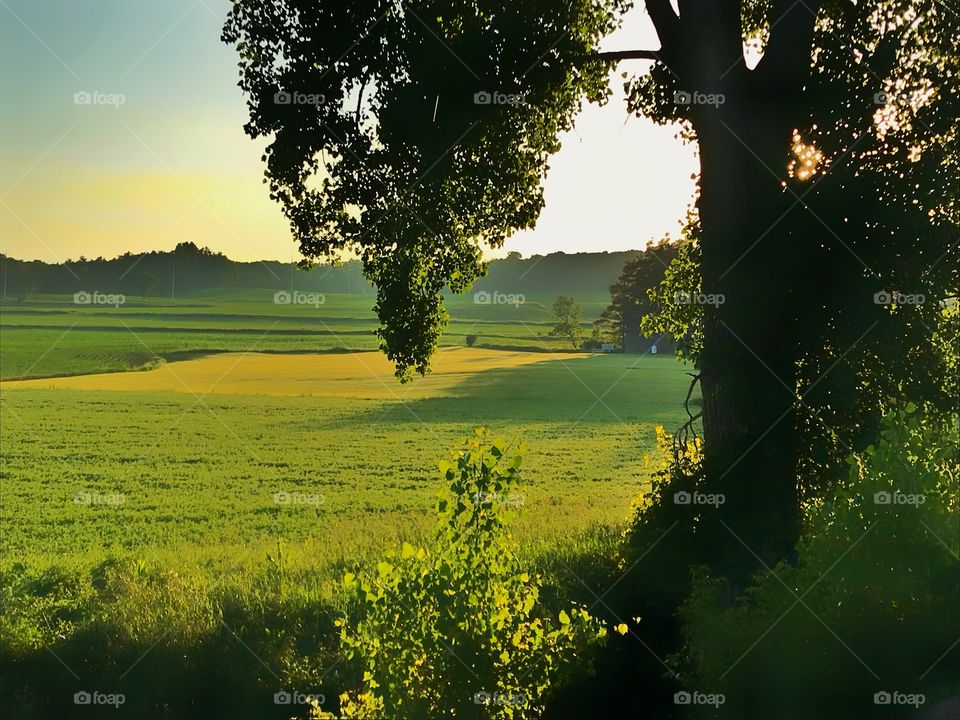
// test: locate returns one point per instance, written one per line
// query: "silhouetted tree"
(629, 298)
(822, 182)
(431, 124)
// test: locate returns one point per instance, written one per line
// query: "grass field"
(198, 450)
(190, 521)
(49, 335)
(199, 441)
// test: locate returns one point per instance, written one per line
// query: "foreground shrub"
(862, 626)
(456, 629)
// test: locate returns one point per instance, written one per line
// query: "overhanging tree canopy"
(413, 132)
(410, 133)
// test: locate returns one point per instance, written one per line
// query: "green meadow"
(49, 335)
(191, 533)
(191, 471)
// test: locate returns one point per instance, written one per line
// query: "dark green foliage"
(185, 269)
(664, 315)
(174, 645)
(883, 200)
(585, 274)
(630, 300)
(828, 183)
(401, 160)
(870, 606)
(144, 283)
(198, 269)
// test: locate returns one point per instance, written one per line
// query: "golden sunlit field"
(185, 460)
(362, 375)
(241, 486)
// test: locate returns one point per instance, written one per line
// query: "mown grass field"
(47, 335)
(187, 524)
(197, 444)
(199, 458)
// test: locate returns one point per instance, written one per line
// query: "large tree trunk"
(751, 255)
(749, 362)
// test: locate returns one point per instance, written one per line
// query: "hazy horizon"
(500, 255)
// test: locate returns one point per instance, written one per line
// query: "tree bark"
(751, 247)
(749, 359)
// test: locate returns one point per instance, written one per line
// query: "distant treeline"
(189, 268)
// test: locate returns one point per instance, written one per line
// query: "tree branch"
(686, 403)
(712, 42)
(625, 55)
(787, 56)
(681, 436)
(663, 17)
(363, 86)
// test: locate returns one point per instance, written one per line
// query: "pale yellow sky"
(171, 163)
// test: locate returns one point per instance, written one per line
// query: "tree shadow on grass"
(600, 390)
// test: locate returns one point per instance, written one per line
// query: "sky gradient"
(172, 164)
